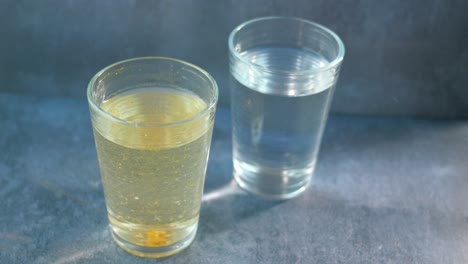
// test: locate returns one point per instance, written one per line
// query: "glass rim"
(332, 64)
(92, 102)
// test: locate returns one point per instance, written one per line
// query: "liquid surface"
(277, 137)
(153, 175)
(284, 59)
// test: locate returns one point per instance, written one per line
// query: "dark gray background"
(403, 57)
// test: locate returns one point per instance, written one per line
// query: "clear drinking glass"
(152, 119)
(283, 74)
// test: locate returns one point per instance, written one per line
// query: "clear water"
(276, 137)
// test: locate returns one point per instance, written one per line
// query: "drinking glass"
(152, 119)
(283, 75)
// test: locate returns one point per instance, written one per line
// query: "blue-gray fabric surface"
(385, 191)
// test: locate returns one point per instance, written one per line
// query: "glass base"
(157, 251)
(273, 184)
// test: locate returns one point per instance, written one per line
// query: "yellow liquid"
(153, 176)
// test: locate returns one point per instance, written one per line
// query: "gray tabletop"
(385, 191)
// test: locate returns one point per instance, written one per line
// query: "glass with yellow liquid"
(152, 119)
